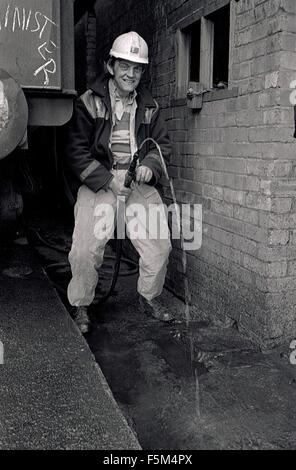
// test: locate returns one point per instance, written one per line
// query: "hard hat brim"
(138, 60)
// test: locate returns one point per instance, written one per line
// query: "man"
(109, 123)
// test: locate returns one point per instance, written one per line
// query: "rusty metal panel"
(54, 107)
(30, 42)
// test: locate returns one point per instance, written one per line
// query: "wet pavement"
(182, 386)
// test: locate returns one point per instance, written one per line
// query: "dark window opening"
(221, 20)
(194, 57)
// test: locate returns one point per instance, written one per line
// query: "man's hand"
(143, 174)
(119, 189)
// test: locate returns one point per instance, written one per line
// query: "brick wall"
(91, 41)
(86, 64)
(235, 157)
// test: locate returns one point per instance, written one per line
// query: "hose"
(116, 271)
(128, 180)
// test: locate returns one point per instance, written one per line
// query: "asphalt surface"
(53, 394)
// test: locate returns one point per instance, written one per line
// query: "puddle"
(152, 381)
(179, 358)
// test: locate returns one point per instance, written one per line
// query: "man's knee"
(157, 258)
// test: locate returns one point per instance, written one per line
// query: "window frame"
(206, 51)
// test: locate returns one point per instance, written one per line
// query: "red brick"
(278, 237)
(258, 201)
(276, 269)
(217, 234)
(212, 192)
(234, 197)
(266, 168)
(247, 215)
(243, 244)
(281, 205)
(271, 220)
(272, 253)
(253, 264)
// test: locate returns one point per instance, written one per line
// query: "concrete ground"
(185, 387)
(53, 394)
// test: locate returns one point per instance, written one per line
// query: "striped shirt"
(122, 139)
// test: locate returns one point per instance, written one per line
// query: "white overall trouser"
(95, 219)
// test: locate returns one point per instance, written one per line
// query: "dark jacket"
(88, 156)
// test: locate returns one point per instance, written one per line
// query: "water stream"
(187, 294)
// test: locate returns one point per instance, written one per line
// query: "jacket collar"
(100, 87)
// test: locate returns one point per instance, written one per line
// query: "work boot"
(82, 320)
(155, 309)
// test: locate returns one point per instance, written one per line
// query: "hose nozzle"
(131, 172)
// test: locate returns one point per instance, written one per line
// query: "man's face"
(127, 76)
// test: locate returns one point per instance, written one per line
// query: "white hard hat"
(130, 46)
